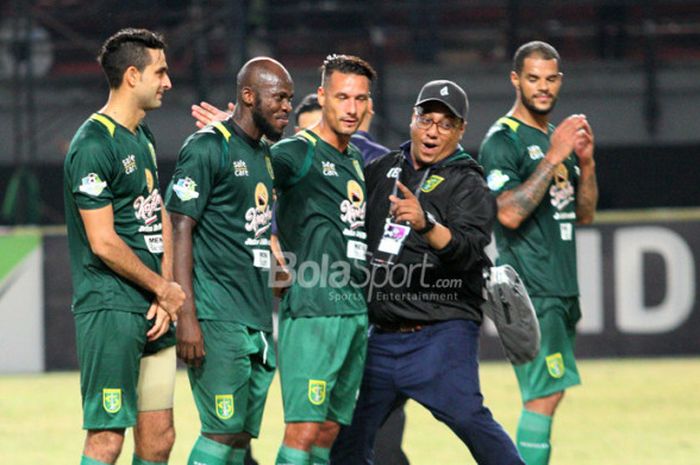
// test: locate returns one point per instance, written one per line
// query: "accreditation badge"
(393, 237)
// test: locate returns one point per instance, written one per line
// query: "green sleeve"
(195, 174)
(501, 159)
(288, 158)
(91, 173)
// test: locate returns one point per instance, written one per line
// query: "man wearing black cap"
(429, 218)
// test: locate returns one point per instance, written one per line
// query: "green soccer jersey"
(223, 180)
(107, 164)
(321, 223)
(543, 248)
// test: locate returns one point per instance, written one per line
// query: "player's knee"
(327, 434)
(104, 445)
(301, 435)
(167, 440)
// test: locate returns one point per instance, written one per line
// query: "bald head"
(265, 91)
(261, 71)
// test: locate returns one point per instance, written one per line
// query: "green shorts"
(554, 369)
(230, 387)
(321, 363)
(110, 346)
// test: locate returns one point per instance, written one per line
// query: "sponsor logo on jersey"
(129, 164)
(431, 183)
(259, 217)
(496, 179)
(353, 208)
(240, 168)
(329, 168)
(92, 185)
(111, 400)
(150, 183)
(185, 189)
(224, 406)
(394, 173)
(358, 169)
(147, 208)
(535, 152)
(555, 365)
(561, 192)
(317, 391)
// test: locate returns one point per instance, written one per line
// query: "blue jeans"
(438, 367)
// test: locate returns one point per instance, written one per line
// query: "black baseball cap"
(447, 93)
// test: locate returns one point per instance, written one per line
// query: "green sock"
(90, 461)
(289, 456)
(209, 452)
(136, 460)
(237, 457)
(320, 456)
(533, 435)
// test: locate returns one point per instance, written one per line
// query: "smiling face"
(538, 84)
(345, 101)
(435, 133)
(272, 105)
(153, 81)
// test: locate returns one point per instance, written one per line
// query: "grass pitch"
(628, 412)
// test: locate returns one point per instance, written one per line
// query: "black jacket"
(450, 286)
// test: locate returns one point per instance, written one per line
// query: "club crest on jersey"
(431, 183)
(358, 169)
(555, 365)
(240, 168)
(224, 406)
(185, 189)
(92, 185)
(496, 179)
(112, 400)
(259, 217)
(535, 152)
(129, 164)
(317, 391)
(561, 192)
(353, 208)
(329, 168)
(147, 208)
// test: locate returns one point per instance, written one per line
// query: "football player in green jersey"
(544, 180)
(320, 217)
(220, 200)
(119, 237)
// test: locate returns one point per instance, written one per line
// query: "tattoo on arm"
(587, 198)
(523, 200)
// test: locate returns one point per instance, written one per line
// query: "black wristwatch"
(430, 223)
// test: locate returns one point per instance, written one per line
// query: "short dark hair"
(307, 104)
(540, 49)
(346, 64)
(127, 48)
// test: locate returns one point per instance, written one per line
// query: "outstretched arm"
(205, 113)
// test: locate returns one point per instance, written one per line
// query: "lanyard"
(395, 189)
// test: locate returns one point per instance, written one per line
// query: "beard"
(268, 130)
(528, 103)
